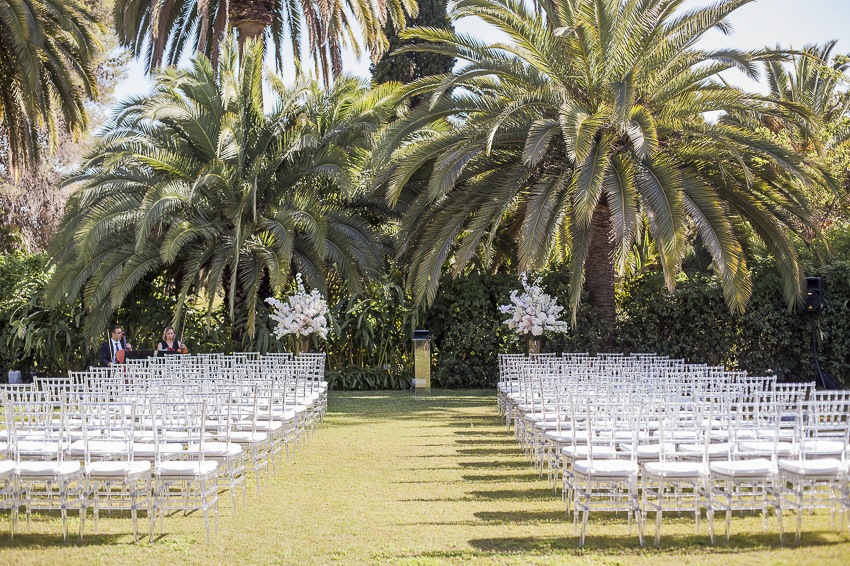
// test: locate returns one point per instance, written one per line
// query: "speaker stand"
(822, 379)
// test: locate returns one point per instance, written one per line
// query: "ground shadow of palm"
(599, 543)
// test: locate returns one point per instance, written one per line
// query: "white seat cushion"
(555, 436)
(678, 434)
(277, 414)
(766, 447)
(118, 469)
(6, 467)
(216, 449)
(691, 470)
(582, 452)
(616, 434)
(183, 468)
(758, 467)
(648, 450)
(543, 426)
(714, 449)
(107, 447)
(822, 447)
(605, 468)
(264, 426)
(817, 467)
(32, 468)
(247, 437)
(541, 417)
(148, 449)
(39, 447)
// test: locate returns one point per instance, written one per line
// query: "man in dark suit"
(109, 349)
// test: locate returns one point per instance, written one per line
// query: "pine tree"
(408, 67)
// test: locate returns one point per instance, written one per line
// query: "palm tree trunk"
(250, 18)
(599, 270)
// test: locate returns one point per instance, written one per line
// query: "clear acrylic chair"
(744, 481)
(671, 485)
(608, 484)
(115, 479)
(814, 480)
(184, 485)
(50, 483)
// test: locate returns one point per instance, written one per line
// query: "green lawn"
(391, 480)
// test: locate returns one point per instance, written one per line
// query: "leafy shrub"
(356, 378)
(33, 337)
(694, 323)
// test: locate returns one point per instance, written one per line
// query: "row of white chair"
(624, 440)
(148, 437)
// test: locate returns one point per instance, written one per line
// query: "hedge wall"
(468, 332)
(694, 323)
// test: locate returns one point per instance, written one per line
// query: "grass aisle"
(389, 480)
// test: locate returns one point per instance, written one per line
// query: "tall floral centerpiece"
(302, 314)
(533, 313)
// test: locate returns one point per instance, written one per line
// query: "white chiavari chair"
(49, 483)
(184, 485)
(115, 478)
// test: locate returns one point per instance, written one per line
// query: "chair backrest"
(34, 418)
(112, 426)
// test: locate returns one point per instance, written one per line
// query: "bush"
(33, 337)
(694, 323)
(355, 378)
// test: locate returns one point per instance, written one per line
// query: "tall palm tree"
(165, 31)
(588, 123)
(46, 49)
(195, 179)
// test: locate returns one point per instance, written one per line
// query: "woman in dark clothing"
(170, 343)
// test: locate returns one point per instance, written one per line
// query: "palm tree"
(166, 31)
(195, 179)
(46, 49)
(590, 122)
(816, 81)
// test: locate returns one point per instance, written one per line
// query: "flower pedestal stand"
(533, 344)
(302, 345)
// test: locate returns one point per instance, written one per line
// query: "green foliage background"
(370, 347)
(468, 332)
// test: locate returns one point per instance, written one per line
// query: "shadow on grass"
(489, 451)
(520, 517)
(43, 540)
(618, 545)
(495, 465)
(518, 494)
(475, 441)
(502, 477)
(480, 434)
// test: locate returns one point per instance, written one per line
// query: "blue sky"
(763, 23)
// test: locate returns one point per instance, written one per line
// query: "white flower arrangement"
(302, 314)
(534, 311)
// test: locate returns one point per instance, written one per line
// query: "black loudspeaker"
(814, 294)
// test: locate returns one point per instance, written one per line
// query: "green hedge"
(468, 332)
(694, 323)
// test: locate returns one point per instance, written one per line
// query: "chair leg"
(83, 511)
(204, 507)
(133, 513)
(63, 490)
